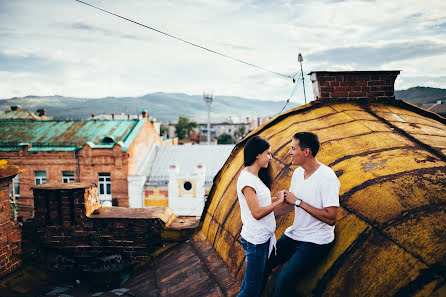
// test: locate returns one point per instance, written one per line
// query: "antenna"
(208, 99)
(300, 59)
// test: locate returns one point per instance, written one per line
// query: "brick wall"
(70, 221)
(353, 85)
(10, 232)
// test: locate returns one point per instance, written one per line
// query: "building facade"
(104, 152)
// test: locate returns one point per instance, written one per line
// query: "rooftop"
(67, 135)
(186, 157)
(16, 115)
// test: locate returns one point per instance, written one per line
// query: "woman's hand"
(281, 196)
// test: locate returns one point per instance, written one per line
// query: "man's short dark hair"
(308, 140)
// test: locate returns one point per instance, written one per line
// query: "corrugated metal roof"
(187, 157)
(8, 115)
(67, 135)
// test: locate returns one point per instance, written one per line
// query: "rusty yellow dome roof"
(391, 227)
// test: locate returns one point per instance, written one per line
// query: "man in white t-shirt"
(314, 196)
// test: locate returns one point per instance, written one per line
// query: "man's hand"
(290, 197)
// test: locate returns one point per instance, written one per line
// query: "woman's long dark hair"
(254, 147)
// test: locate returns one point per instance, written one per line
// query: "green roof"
(68, 135)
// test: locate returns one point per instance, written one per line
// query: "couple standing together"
(314, 197)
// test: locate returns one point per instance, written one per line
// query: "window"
(16, 185)
(68, 177)
(105, 189)
(40, 177)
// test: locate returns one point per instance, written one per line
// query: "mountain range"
(168, 106)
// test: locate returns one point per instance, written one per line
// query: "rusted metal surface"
(7, 169)
(390, 236)
(67, 135)
(165, 214)
(12, 115)
(192, 268)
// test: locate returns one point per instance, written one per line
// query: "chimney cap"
(358, 72)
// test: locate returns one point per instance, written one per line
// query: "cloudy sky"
(63, 47)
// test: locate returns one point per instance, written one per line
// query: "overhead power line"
(292, 93)
(185, 41)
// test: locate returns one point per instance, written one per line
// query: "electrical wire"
(292, 93)
(185, 41)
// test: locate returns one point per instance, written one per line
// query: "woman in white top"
(256, 205)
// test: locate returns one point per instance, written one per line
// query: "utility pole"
(208, 99)
(300, 59)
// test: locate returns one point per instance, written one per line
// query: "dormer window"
(108, 139)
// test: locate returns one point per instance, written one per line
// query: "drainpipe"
(78, 171)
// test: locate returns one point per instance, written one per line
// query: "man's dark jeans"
(256, 255)
(301, 256)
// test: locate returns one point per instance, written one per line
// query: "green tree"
(225, 139)
(184, 126)
(164, 130)
(240, 132)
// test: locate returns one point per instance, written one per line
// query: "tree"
(164, 130)
(225, 139)
(240, 132)
(184, 126)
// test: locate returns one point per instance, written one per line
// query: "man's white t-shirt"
(255, 231)
(320, 190)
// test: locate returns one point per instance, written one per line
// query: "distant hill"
(421, 95)
(168, 106)
(163, 106)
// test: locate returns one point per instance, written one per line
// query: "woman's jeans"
(256, 255)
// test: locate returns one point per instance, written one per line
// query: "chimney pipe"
(113, 116)
(354, 85)
(144, 114)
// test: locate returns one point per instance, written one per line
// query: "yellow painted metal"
(390, 159)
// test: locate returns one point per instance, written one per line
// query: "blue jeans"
(256, 255)
(301, 256)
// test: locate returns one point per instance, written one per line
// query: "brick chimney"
(354, 85)
(15, 108)
(41, 112)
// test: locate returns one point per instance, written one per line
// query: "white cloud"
(74, 50)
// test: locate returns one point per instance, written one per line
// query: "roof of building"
(435, 107)
(11, 115)
(67, 135)
(390, 159)
(186, 157)
(7, 169)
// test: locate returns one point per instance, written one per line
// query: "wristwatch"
(297, 202)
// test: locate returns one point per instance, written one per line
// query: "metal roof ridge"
(128, 140)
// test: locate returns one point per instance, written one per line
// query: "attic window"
(187, 186)
(108, 139)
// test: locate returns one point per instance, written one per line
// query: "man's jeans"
(256, 255)
(301, 257)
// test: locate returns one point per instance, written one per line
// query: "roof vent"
(108, 139)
